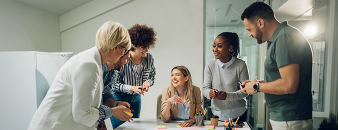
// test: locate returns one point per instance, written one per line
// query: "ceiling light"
(228, 9)
(310, 30)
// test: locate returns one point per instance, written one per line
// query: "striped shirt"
(130, 77)
(109, 78)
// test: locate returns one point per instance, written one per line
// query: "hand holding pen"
(145, 86)
(213, 93)
(137, 89)
(176, 99)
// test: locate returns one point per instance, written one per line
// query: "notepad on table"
(161, 127)
(210, 127)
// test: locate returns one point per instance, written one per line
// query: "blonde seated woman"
(181, 100)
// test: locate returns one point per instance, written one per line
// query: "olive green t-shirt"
(288, 45)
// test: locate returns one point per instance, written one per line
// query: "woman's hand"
(118, 113)
(221, 95)
(145, 86)
(187, 123)
(137, 89)
(176, 99)
(126, 104)
(213, 93)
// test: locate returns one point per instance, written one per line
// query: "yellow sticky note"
(210, 127)
(178, 126)
(128, 113)
(161, 127)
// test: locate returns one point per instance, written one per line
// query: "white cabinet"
(25, 78)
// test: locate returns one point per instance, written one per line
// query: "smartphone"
(240, 83)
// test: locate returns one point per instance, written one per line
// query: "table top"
(151, 124)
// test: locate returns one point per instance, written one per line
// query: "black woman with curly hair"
(221, 76)
(138, 74)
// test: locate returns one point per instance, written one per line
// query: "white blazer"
(74, 97)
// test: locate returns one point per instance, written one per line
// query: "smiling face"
(141, 51)
(221, 48)
(178, 79)
(253, 31)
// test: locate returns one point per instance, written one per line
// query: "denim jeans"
(135, 105)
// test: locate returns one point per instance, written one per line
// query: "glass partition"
(224, 16)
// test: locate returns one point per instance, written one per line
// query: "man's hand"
(249, 86)
(126, 104)
(118, 113)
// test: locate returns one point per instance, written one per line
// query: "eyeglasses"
(144, 48)
(125, 50)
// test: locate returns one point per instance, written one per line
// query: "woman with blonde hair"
(181, 100)
(73, 101)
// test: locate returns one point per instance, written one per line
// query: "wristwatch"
(256, 87)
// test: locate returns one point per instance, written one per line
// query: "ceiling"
(228, 12)
(57, 7)
(218, 12)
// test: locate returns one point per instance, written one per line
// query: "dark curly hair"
(258, 10)
(233, 40)
(142, 36)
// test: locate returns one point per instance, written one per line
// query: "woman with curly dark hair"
(221, 76)
(138, 74)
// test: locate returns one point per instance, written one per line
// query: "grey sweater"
(225, 79)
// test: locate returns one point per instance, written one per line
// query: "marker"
(142, 88)
(236, 120)
(181, 99)
(240, 83)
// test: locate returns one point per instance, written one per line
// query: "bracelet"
(118, 103)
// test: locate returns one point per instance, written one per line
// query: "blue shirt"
(183, 111)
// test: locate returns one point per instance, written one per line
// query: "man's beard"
(259, 36)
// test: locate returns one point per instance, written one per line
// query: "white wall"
(179, 27)
(24, 28)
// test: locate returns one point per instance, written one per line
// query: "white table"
(151, 124)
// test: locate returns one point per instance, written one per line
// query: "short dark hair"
(258, 10)
(233, 40)
(142, 36)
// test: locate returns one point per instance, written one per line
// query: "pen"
(142, 88)
(181, 100)
(236, 120)
(240, 83)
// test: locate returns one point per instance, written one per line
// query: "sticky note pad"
(161, 127)
(128, 113)
(178, 126)
(210, 127)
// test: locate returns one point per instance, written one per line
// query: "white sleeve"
(85, 82)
